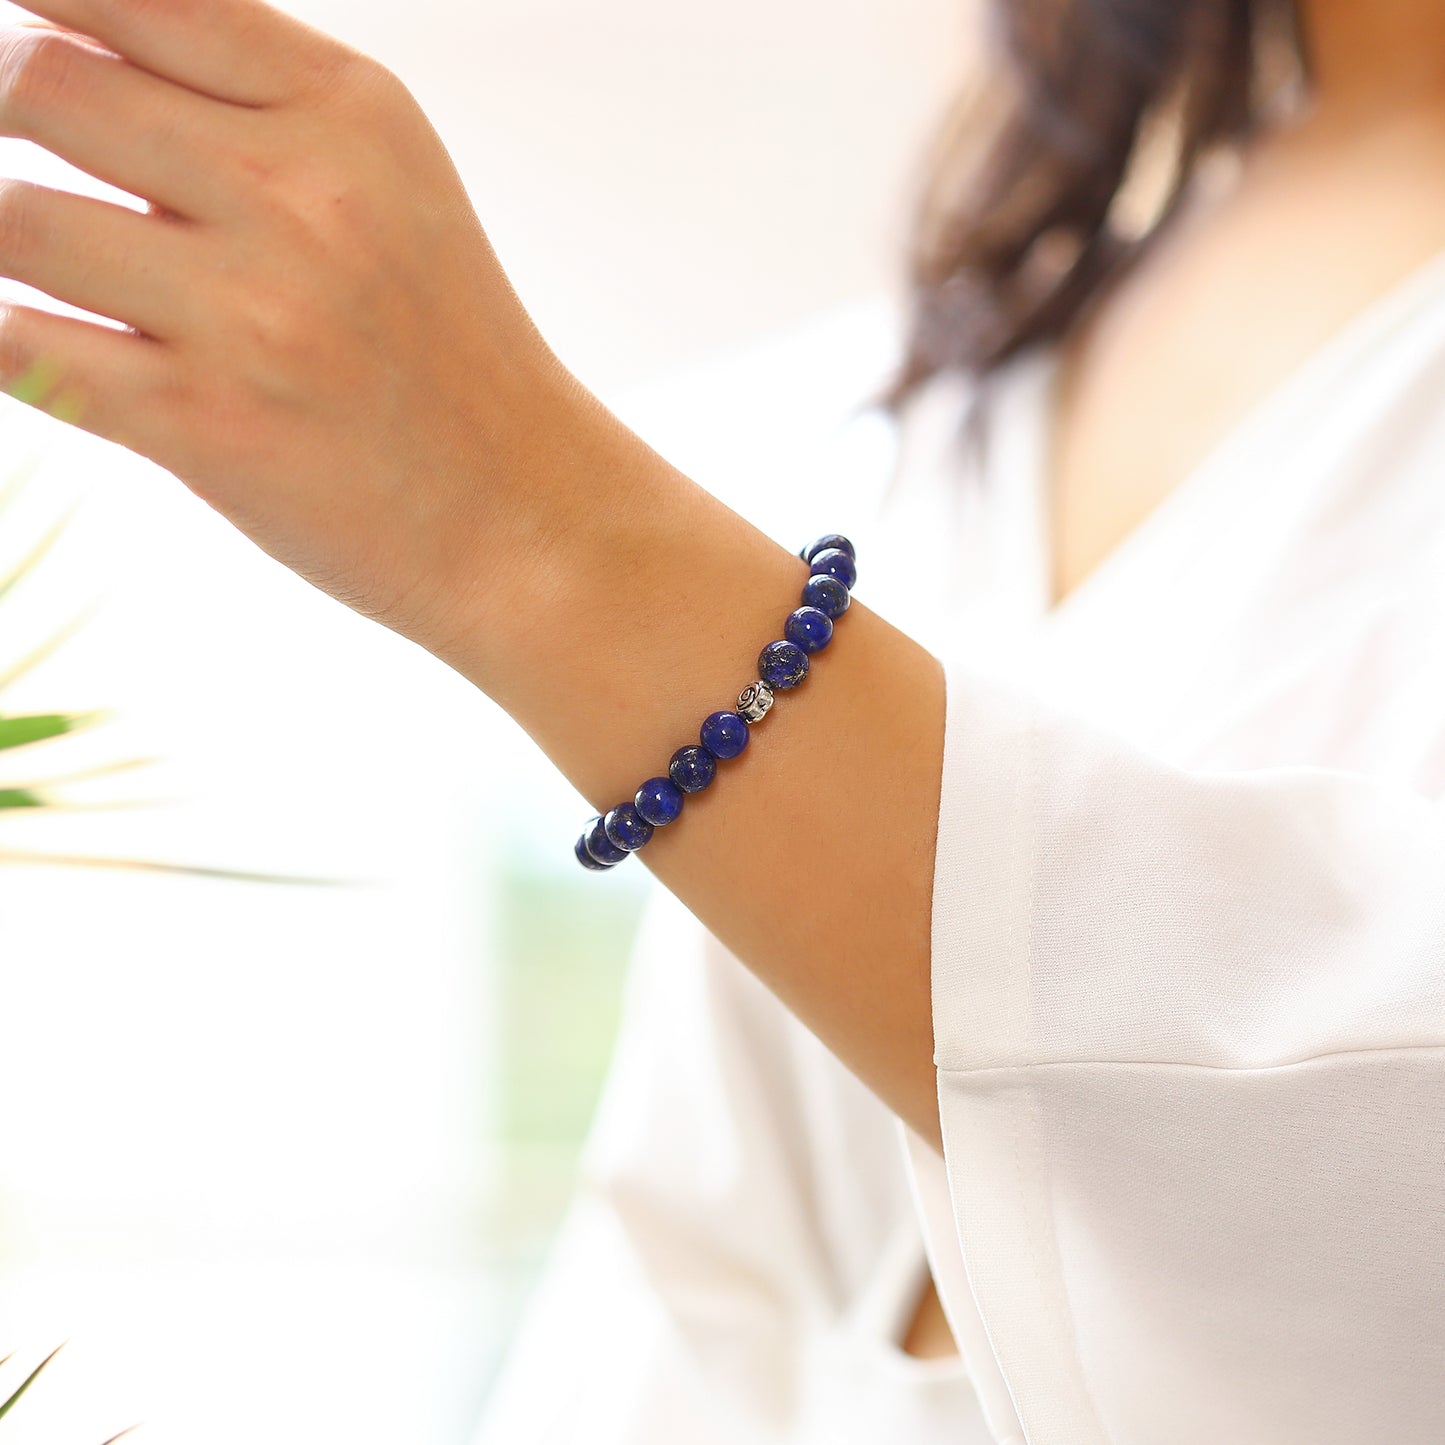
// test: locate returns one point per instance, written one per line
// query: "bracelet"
(610, 837)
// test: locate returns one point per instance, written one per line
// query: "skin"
(319, 342)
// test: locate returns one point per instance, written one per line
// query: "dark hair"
(1017, 229)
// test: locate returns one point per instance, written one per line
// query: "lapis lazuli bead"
(811, 629)
(833, 539)
(724, 734)
(626, 827)
(600, 846)
(833, 562)
(659, 800)
(692, 768)
(586, 859)
(782, 664)
(827, 594)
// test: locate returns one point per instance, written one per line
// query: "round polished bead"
(782, 664)
(585, 858)
(833, 562)
(827, 594)
(832, 540)
(626, 827)
(659, 800)
(724, 735)
(600, 846)
(692, 768)
(754, 701)
(811, 629)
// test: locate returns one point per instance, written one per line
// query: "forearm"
(644, 609)
(319, 341)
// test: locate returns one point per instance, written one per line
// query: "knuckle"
(38, 72)
(322, 71)
(280, 329)
(339, 74)
(261, 169)
(372, 83)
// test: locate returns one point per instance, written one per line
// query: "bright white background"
(244, 1160)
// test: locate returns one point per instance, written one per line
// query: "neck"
(1375, 57)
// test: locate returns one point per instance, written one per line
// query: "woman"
(1136, 922)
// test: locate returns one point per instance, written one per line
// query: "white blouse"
(1188, 987)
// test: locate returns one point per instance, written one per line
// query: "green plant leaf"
(34, 555)
(16, 732)
(29, 1380)
(102, 770)
(193, 870)
(38, 655)
(20, 731)
(20, 477)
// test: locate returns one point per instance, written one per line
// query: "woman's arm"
(811, 856)
(321, 344)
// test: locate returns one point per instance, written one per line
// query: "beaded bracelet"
(610, 837)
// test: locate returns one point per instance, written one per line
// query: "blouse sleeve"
(1190, 1040)
(736, 1193)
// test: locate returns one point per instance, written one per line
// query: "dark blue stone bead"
(783, 664)
(724, 734)
(626, 827)
(811, 629)
(835, 563)
(692, 768)
(827, 594)
(659, 800)
(833, 539)
(585, 858)
(601, 847)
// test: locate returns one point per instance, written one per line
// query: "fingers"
(101, 257)
(97, 378)
(237, 50)
(122, 125)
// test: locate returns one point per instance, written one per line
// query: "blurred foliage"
(562, 948)
(561, 952)
(8, 1402)
(35, 729)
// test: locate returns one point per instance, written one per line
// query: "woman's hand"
(321, 344)
(319, 339)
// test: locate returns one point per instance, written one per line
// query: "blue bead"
(585, 858)
(724, 734)
(827, 594)
(692, 768)
(601, 847)
(626, 828)
(833, 539)
(835, 563)
(811, 629)
(783, 664)
(659, 800)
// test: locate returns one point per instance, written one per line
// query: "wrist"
(611, 595)
(554, 517)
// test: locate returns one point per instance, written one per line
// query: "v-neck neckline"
(1038, 373)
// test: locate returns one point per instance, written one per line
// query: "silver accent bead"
(754, 700)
